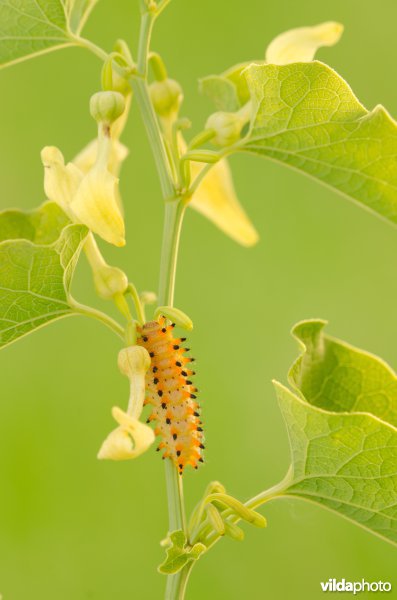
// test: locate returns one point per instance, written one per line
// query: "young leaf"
(32, 27)
(178, 553)
(345, 460)
(306, 116)
(228, 91)
(35, 275)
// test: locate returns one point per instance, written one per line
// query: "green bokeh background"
(76, 528)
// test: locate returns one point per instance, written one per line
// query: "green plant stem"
(209, 537)
(140, 87)
(174, 210)
(156, 141)
(88, 311)
(84, 43)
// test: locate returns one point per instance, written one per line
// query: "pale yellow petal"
(60, 181)
(134, 362)
(86, 159)
(95, 204)
(216, 199)
(301, 45)
(131, 439)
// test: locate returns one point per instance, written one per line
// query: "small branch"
(84, 43)
(88, 311)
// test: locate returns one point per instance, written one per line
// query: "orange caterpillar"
(172, 395)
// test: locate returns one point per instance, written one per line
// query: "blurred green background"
(76, 528)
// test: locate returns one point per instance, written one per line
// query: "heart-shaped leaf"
(341, 422)
(37, 262)
(306, 116)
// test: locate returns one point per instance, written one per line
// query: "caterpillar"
(172, 395)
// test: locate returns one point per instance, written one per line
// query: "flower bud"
(148, 297)
(131, 439)
(227, 127)
(110, 281)
(175, 315)
(133, 361)
(106, 107)
(166, 96)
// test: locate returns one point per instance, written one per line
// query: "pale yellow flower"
(301, 44)
(216, 199)
(86, 159)
(60, 181)
(131, 439)
(91, 198)
(96, 205)
(134, 362)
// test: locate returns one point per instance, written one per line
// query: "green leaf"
(228, 91)
(32, 27)
(178, 554)
(307, 117)
(338, 377)
(344, 455)
(221, 91)
(35, 276)
(41, 226)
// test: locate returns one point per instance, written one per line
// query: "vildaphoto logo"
(355, 587)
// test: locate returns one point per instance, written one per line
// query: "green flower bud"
(113, 80)
(106, 107)
(110, 281)
(175, 315)
(227, 127)
(166, 96)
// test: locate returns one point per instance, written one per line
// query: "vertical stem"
(140, 87)
(174, 210)
(156, 142)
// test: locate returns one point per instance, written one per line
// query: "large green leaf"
(344, 456)
(32, 27)
(307, 117)
(35, 276)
